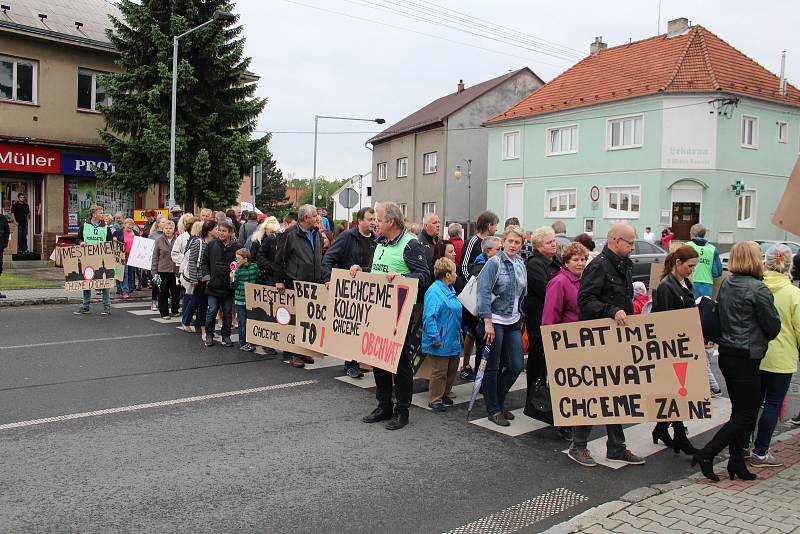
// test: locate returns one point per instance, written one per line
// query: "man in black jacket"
(429, 237)
(607, 293)
(353, 247)
(299, 257)
(217, 259)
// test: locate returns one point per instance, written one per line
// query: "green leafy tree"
(216, 110)
(272, 198)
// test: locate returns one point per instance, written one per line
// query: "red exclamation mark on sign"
(402, 296)
(322, 337)
(680, 372)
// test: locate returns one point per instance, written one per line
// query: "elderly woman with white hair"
(263, 245)
(780, 362)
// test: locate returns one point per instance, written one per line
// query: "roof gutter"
(84, 42)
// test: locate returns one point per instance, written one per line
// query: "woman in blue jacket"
(441, 333)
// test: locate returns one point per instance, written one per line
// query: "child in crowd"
(640, 298)
(441, 334)
(245, 273)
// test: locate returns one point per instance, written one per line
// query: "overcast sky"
(315, 58)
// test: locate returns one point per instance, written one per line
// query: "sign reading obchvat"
(83, 165)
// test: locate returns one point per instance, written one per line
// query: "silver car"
(764, 244)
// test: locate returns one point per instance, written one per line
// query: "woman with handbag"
(748, 321)
(502, 286)
(675, 292)
(561, 296)
(195, 273)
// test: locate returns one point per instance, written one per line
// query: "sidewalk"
(32, 297)
(698, 506)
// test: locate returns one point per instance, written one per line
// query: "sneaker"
(81, 311)
(498, 419)
(354, 371)
(447, 401)
(795, 420)
(226, 341)
(209, 342)
(306, 359)
(716, 393)
(269, 351)
(626, 457)
(251, 347)
(153, 306)
(768, 460)
(508, 415)
(125, 295)
(467, 374)
(437, 407)
(582, 456)
(106, 310)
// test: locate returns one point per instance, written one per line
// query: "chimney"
(677, 27)
(460, 86)
(597, 45)
(782, 86)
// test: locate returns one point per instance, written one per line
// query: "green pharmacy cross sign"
(738, 187)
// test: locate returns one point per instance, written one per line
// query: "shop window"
(90, 92)
(18, 79)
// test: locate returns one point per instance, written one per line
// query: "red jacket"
(639, 302)
(459, 244)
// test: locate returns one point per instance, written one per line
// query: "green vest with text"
(702, 273)
(389, 259)
(94, 234)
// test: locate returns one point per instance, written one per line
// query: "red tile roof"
(695, 62)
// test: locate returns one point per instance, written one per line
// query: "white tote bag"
(469, 295)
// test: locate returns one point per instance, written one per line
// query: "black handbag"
(709, 319)
(538, 404)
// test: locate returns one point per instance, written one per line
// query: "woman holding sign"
(748, 321)
(502, 286)
(675, 292)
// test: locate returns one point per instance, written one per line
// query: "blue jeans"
(241, 316)
(503, 367)
(702, 289)
(189, 307)
(774, 387)
(214, 304)
(87, 295)
(127, 281)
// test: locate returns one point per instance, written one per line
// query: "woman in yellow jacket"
(780, 362)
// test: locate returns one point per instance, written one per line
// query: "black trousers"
(169, 290)
(404, 378)
(537, 366)
(744, 388)
(201, 300)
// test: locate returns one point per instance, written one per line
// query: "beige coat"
(162, 256)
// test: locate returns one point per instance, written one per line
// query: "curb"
(607, 509)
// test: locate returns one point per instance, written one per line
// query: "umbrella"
(476, 386)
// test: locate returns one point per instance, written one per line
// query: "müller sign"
(26, 158)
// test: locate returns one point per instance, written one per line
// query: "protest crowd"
(483, 303)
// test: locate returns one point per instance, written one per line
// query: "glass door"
(10, 189)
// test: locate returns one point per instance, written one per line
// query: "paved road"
(292, 456)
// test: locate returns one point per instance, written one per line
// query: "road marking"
(524, 514)
(167, 320)
(522, 424)
(463, 393)
(144, 312)
(159, 404)
(321, 363)
(366, 382)
(71, 341)
(131, 305)
(639, 438)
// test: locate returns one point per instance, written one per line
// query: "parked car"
(644, 255)
(764, 244)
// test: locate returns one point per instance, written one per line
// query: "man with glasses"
(21, 214)
(607, 293)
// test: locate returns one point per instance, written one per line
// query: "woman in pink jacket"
(561, 297)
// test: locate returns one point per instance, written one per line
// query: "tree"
(216, 110)
(272, 198)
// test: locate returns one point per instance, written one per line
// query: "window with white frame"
(749, 131)
(511, 145)
(562, 140)
(402, 167)
(746, 209)
(404, 209)
(90, 92)
(18, 79)
(428, 207)
(783, 132)
(429, 163)
(626, 132)
(623, 202)
(560, 202)
(381, 171)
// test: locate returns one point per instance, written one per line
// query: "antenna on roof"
(5, 8)
(78, 25)
(42, 17)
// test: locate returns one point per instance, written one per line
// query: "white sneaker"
(153, 306)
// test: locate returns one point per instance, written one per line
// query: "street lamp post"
(218, 15)
(316, 125)
(457, 175)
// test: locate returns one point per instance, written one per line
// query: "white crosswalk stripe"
(322, 363)
(123, 305)
(365, 382)
(522, 424)
(167, 320)
(144, 312)
(463, 393)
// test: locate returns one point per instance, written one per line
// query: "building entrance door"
(684, 215)
(10, 188)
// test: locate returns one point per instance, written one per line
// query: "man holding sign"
(94, 231)
(607, 292)
(398, 253)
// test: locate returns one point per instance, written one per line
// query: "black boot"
(398, 421)
(381, 413)
(681, 443)
(661, 432)
(706, 460)
(736, 465)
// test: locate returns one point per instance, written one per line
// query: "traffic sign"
(348, 197)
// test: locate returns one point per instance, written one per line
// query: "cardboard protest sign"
(90, 266)
(141, 255)
(653, 369)
(655, 275)
(367, 317)
(311, 307)
(787, 216)
(271, 319)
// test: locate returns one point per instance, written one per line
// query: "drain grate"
(523, 514)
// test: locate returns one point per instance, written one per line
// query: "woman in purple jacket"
(561, 297)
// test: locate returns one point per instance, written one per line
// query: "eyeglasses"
(631, 243)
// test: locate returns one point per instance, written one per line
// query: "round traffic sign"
(594, 193)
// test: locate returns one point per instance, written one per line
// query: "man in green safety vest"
(94, 230)
(398, 253)
(708, 267)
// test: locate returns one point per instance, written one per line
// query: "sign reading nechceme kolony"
(653, 369)
(271, 319)
(90, 266)
(367, 317)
